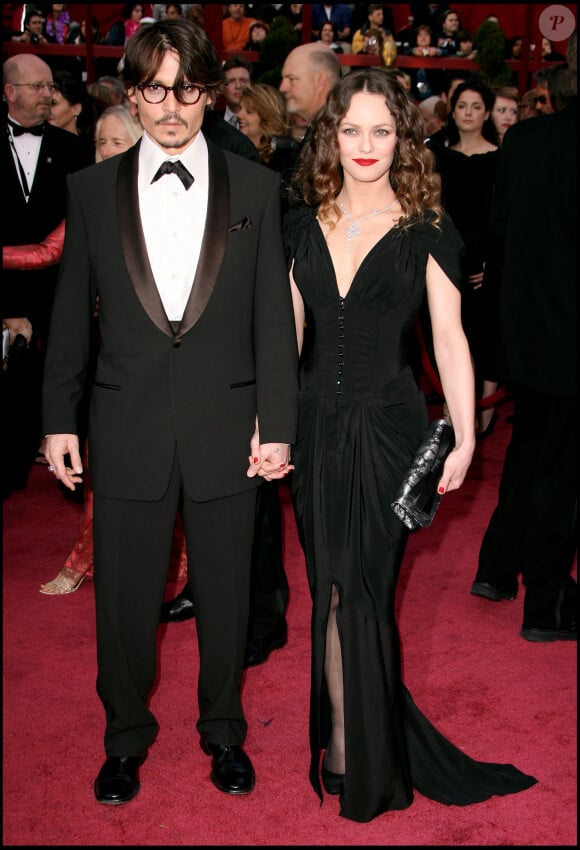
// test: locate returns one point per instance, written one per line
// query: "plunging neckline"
(361, 265)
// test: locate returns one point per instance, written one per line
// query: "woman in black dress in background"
(361, 257)
(468, 168)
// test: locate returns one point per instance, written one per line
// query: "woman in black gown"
(467, 168)
(361, 257)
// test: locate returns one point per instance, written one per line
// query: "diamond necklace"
(353, 230)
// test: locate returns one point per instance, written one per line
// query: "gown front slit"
(362, 417)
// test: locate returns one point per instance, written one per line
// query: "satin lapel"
(133, 241)
(213, 245)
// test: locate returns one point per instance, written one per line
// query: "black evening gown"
(361, 420)
(467, 187)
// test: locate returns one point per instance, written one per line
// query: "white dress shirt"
(25, 148)
(173, 219)
(231, 118)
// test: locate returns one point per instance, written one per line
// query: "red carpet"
(493, 693)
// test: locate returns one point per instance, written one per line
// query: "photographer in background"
(32, 32)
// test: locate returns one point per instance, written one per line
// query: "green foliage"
(281, 39)
(490, 45)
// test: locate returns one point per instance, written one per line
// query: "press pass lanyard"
(22, 175)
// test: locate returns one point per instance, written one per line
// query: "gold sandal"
(67, 581)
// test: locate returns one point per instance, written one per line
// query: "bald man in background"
(308, 74)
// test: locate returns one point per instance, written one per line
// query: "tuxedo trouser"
(269, 585)
(132, 548)
(533, 529)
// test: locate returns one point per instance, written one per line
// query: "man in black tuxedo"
(36, 158)
(533, 529)
(308, 74)
(267, 628)
(194, 396)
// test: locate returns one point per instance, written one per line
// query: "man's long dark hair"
(198, 59)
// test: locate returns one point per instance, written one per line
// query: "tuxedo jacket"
(226, 136)
(196, 390)
(29, 293)
(535, 222)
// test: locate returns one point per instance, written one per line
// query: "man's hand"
(268, 460)
(57, 447)
(18, 326)
(272, 460)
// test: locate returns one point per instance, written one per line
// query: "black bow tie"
(18, 130)
(178, 168)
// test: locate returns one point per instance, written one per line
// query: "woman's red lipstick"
(365, 161)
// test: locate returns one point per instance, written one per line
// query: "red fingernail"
(441, 489)
(282, 465)
(255, 460)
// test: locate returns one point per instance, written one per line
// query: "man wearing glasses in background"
(194, 398)
(36, 158)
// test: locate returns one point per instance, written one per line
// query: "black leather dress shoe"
(231, 769)
(494, 592)
(178, 609)
(118, 780)
(537, 635)
(333, 782)
(260, 647)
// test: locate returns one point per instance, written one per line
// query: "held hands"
(268, 460)
(57, 447)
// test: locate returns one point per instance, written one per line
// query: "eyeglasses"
(38, 86)
(186, 93)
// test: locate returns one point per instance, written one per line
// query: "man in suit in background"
(533, 529)
(237, 73)
(308, 74)
(36, 158)
(194, 395)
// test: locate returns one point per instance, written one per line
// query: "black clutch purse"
(417, 499)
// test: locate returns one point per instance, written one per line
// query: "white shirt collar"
(151, 156)
(229, 114)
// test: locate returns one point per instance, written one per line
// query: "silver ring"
(50, 468)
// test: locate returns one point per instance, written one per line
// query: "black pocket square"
(242, 224)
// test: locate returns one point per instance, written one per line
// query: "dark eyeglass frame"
(176, 89)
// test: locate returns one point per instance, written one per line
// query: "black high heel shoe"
(482, 435)
(333, 783)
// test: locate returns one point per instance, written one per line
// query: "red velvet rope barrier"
(481, 403)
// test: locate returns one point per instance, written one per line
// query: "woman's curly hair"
(319, 175)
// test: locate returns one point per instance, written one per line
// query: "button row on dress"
(340, 347)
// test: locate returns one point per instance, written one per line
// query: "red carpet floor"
(493, 693)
